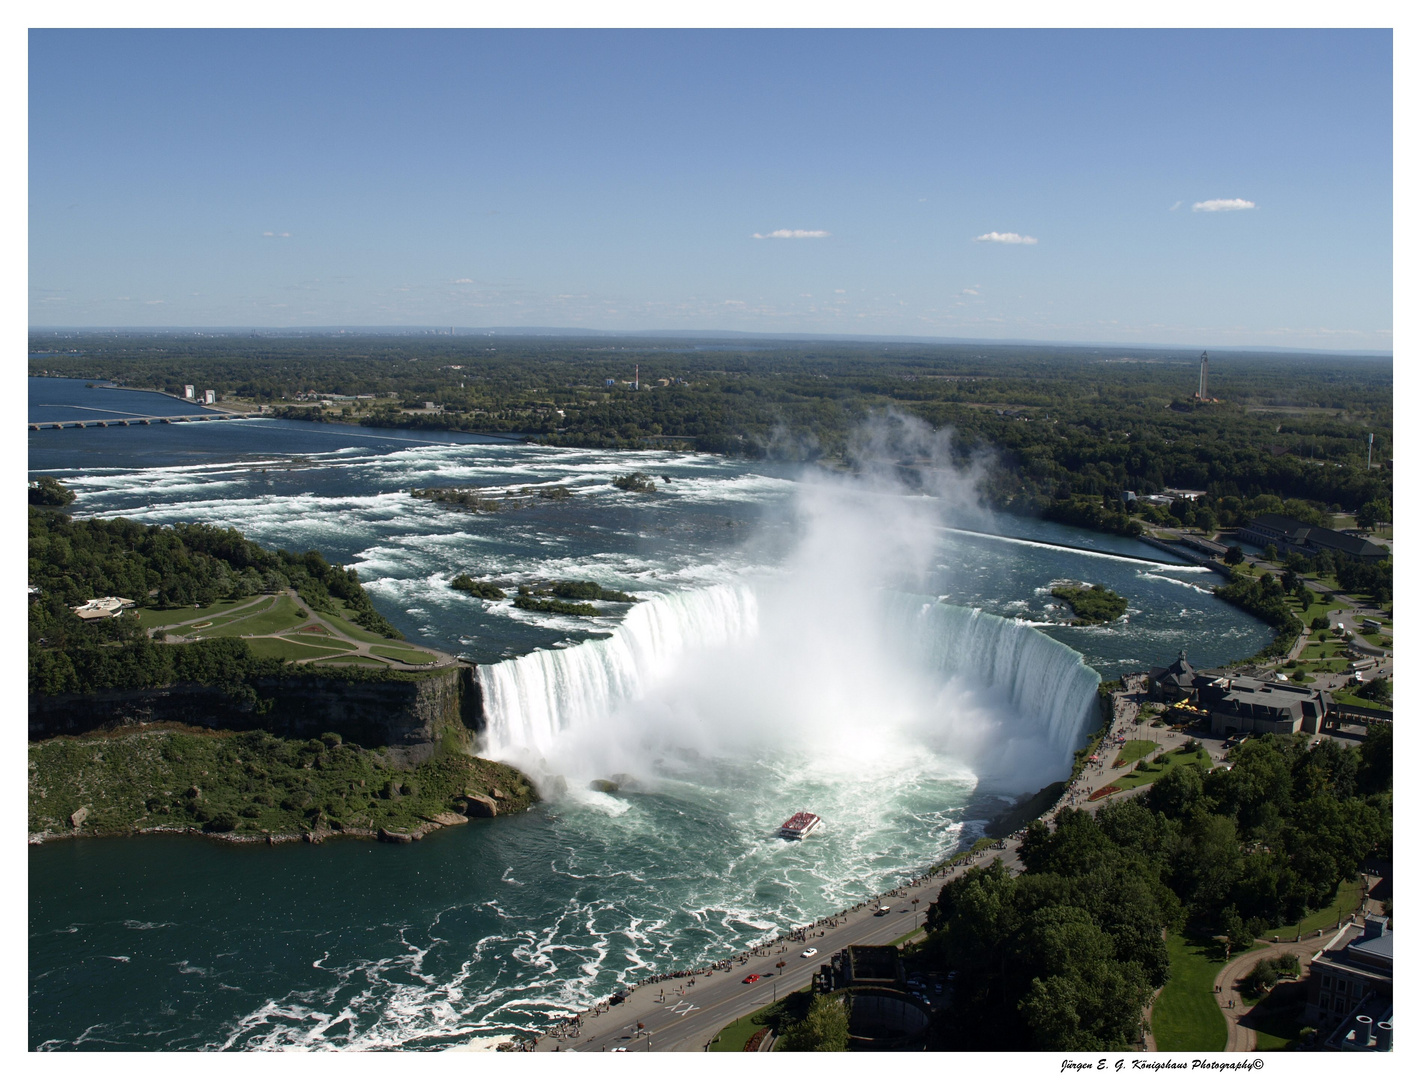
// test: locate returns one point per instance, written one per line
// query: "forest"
(177, 566)
(1060, 431)
(1066, 955)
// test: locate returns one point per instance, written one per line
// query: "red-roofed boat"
(800, 826)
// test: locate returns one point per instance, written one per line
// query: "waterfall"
(532, 700)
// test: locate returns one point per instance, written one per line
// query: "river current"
(805, 641)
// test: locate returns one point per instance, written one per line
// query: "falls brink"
(531, 701)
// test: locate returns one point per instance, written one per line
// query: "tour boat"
(800, 826)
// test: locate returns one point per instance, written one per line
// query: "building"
(1289, 534)
(1239, 706)
(1174, 683)
(1350, 988)
(189, 392)
(105, 607)
(209, 397)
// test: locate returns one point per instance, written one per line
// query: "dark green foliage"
(248, 783)
(637, 481)
(164, 567)
(484, 590)
(1062, 430)
(1234, 555)
(528, 602)
(47, 491)
(1065, 955)
(1094, 605)
(467, 498)
(588, 590)
(824, 1029)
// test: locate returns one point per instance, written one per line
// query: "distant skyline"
(1212, 188)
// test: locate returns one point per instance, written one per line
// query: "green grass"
(281, 649)
(407, 656)
(1277, 1020)
(358, 661)
(153, 618)
(1186, 1015)
(1154, 771)
(356, 633)
(1349, 895)
(284, 614)
(321, 641)
(1135, 749)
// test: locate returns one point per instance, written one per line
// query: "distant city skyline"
(1214, 188)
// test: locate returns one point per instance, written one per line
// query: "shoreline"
(267, 839)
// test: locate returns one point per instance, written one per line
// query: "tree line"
(1066, 955)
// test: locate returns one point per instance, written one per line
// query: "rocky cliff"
(409, 715)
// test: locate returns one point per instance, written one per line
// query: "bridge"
(137, 421)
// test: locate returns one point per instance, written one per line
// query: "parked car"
(807, 953)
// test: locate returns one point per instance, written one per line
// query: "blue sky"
(636, 180)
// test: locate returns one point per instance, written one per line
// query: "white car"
(807, 953)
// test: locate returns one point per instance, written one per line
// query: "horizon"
(573, 333)
(1186, 188)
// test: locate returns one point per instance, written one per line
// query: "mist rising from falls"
(719, 672)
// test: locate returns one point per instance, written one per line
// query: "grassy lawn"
(406, 656)
(1277, 1020)
(322, 641)
(152, 618)
(282, 614)
(1135, 749)
(1149, 773)
(1349, 895)
(349, 629)
(1186, 1016)
(357, 661)
(287, 650)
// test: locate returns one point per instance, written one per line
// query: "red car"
(751, 978)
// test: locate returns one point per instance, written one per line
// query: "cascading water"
(991, 681)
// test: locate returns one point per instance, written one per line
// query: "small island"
(562, 598)
(636, 481)
(1092, 606)
(476, 500)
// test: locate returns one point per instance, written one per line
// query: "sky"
(1200, 188)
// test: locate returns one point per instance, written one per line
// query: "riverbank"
(251, 787)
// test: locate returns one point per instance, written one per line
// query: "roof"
(1300, 532)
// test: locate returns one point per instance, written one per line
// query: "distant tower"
(1369, 449)
(1203, 394)
(636, 378)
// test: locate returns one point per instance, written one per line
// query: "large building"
(1238, 706)
(1350, 988)
(1291, 535)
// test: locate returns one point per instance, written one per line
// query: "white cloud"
(1005, 238)
(463, 281)
(792, 234)
(1176, 206)
(1212, 205)
(971, 292)
(278, 234)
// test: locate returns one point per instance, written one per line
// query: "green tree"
(825, 1028)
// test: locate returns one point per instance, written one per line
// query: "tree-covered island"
(1092, 605)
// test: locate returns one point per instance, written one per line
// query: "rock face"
(410, 716)
(480, 805)
(79, 816)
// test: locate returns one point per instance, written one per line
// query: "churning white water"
(750, 669)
